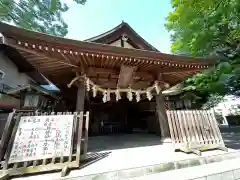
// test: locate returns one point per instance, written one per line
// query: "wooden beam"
(143, 74)
(102, 70)
(126, 76)
(80, 97)
(37, 53)
(174, 70)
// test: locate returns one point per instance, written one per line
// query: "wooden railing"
(194, 130)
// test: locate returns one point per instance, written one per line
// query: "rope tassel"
(108, 95)
(118, 96)
(104, 96)
(94, 89)
(157, 88)
(138, 97)
(149, 95)
(88, 84)
(130, 95)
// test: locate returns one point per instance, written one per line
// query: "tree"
(208, 28)
(201, 27)
(38, 15)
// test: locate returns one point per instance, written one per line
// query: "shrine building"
(117, 76)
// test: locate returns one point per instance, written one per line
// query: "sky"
(147, 18)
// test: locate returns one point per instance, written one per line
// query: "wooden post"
(80, 97)
(162, 117)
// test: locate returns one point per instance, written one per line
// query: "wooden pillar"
(162, 116)
(80, 97)
(82, 121)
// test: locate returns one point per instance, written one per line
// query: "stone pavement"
(130, 153)
(225, 170)
(185, 169)
(134, 155)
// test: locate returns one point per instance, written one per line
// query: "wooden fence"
(194, 130)
(79, 141)
(3, 119)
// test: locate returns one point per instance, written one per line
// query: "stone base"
(164, 167)
(166, 140)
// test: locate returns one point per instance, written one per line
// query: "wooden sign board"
(41, 137)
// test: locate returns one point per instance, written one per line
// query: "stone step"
(159, 168)
(224, 170)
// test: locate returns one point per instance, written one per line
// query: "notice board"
(41, 137)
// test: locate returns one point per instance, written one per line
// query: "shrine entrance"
(123, 117)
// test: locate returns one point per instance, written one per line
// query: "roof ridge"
(123, 23)
(106, 32)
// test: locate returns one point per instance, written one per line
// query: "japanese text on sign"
(41, 137)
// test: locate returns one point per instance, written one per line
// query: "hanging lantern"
(88, 84)
(138, 97)
(108, 95)
(94, 89)
(157, 88)
(130, 95)
(104, 96)
(149, 95)
(118, 96)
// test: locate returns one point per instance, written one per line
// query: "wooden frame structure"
(194, 131)
(79, 140)
(60, 59)
(66, 62)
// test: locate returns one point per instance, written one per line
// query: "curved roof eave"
(17, 33)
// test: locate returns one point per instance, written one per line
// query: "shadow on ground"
(122, 141)
(92, 158)
(231, 137)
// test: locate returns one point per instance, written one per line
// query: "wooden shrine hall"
(117, 76)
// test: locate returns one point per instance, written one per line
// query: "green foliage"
(200, 27)
(222, 79)
(208, 28)
(38, 15)
(213, 100)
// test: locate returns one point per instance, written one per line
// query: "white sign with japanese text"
(41, 137)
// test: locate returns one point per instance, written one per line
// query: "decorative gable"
(123, 36)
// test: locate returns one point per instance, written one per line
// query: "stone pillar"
(162, 117)
(80, 97)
